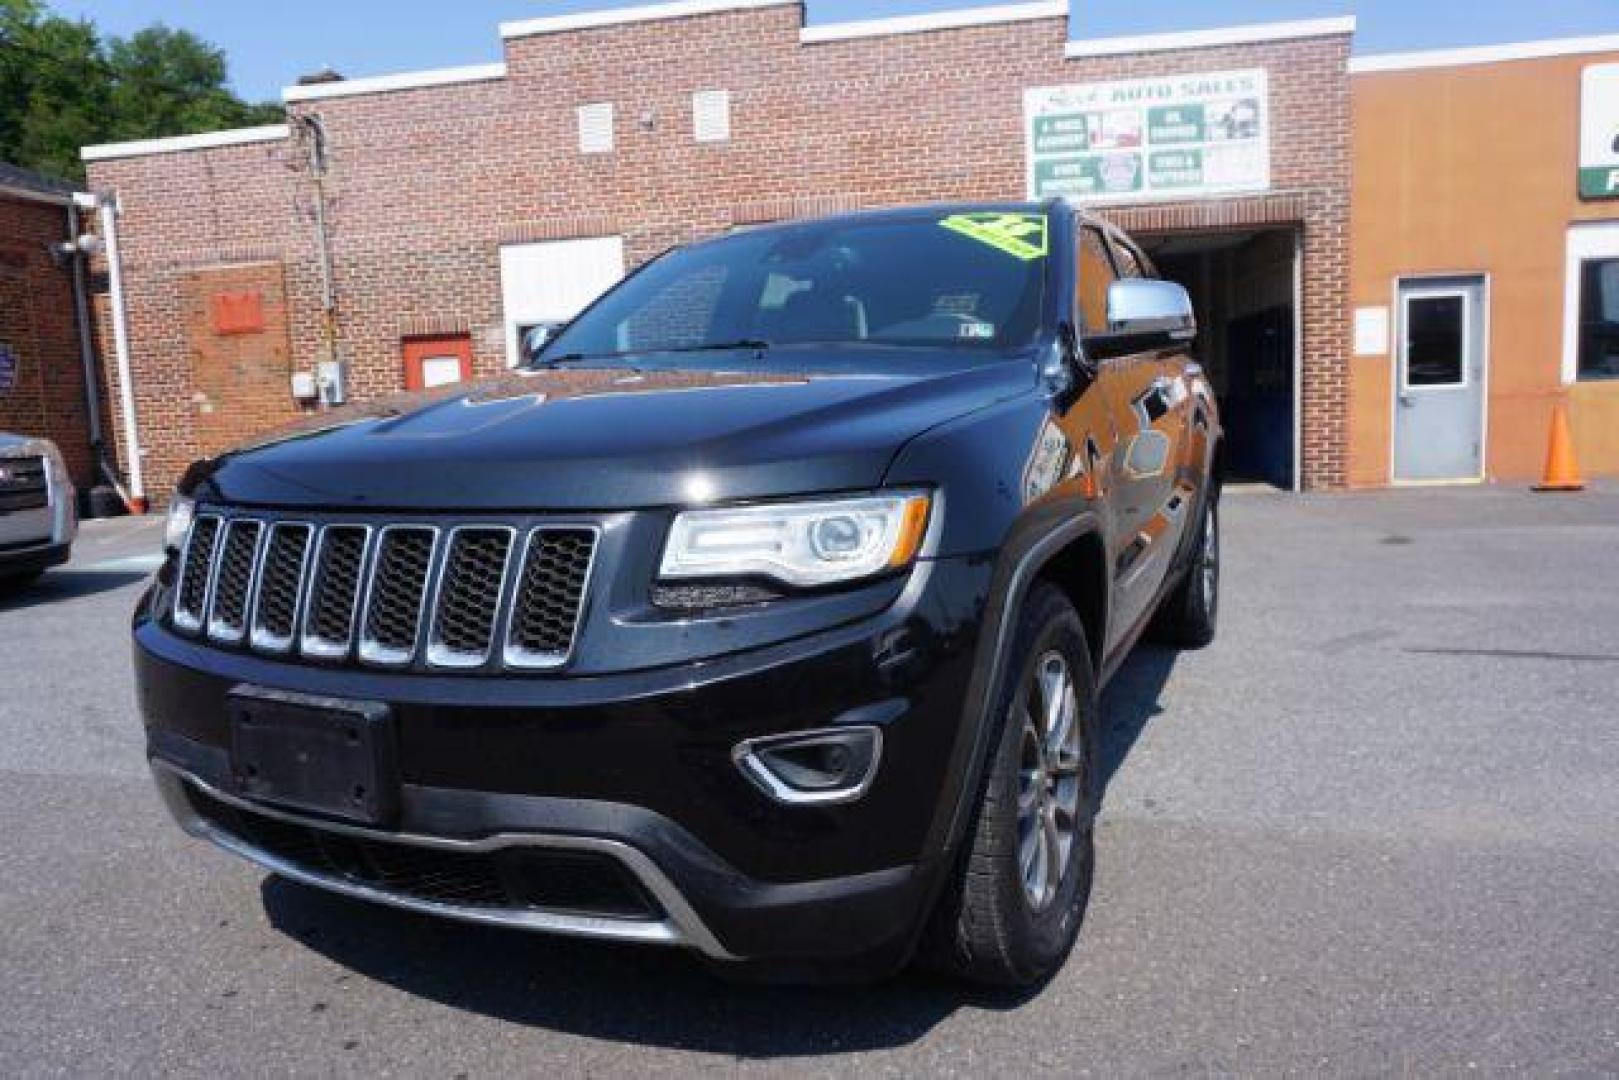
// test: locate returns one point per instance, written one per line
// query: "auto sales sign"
(1175, 137)
(1599, 132)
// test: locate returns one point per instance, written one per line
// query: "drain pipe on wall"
(80, 246)
(108, 205)
(332, 374)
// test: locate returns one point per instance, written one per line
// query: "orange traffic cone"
(1562, 471)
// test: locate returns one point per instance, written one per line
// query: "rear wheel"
(1189, 614)
(1012, 911)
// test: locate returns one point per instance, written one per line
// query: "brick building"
(42, 365)
(405, 229)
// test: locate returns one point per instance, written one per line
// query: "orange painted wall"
(1474, 170)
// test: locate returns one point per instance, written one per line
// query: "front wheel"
(1013, 909)
(1188, 615)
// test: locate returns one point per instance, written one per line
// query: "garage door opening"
(1244, 286)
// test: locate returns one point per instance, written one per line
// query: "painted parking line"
(136, 564)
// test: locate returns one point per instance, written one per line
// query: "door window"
(1599, 320)
(1129, 263)
(1095, 276)
(1436, 341)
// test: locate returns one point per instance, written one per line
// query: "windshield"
(967, 280)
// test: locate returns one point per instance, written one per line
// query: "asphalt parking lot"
(1375, 828)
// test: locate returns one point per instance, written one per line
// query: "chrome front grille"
(281, 578)
(196, 572)
(475, 573)
(397, 599)
(334, 596)
(410, 595)
(233, 581)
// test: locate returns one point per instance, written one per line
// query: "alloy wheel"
(1048, 779)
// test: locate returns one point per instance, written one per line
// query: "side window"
(1129, 262)
(1095, 275)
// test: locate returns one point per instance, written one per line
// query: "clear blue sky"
(270, 44)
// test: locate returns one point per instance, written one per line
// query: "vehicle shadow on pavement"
(61, 585)
(1131, 702)
(643, 995)
(652, 996)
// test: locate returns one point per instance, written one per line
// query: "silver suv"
(38, 515)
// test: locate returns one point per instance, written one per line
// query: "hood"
(609, 438)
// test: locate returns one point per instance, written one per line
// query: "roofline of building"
(205, 141)
(955, 19)
(1251, 34)
(382, 84)
(589, 20)
(52, 198)
(1483, 54)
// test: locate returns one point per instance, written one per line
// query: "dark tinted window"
(969, 280)
(1599, 319)
(1434, 341)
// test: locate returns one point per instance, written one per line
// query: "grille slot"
(196, 571)
(550, 593)
(23, 484)
(281, 581)
(233, 583)
(397, 597)
(335, 592)
(469, 594)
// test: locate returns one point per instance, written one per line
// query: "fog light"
(834, 765)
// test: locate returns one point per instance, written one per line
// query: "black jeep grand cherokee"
(764, 613)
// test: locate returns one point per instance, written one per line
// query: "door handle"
(1407, 400)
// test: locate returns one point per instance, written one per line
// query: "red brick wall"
(37, 323)
(425, 184)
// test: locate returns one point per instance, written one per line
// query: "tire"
(1188, 616)
(998, 922)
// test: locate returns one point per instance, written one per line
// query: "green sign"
(1600, 183)
(1061, 134)
(1599, 132)
(1175, 169)
(1091, 174)
(1175, 124)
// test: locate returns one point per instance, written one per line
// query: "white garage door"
(552, 281)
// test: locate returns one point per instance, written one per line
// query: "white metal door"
(554, 280)
(1439, 385)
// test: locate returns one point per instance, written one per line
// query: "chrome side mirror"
(1141, 308)
(1143, 315)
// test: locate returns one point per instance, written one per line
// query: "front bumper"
(638, 769)
(34, 558)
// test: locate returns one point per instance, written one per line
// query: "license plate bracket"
(329, 756)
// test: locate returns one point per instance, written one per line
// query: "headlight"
(799, 543)
(178, 525)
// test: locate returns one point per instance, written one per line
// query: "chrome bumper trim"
(682, 927)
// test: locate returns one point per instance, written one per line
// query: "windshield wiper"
(756, 344)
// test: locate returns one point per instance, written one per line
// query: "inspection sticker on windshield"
(1022, 236)
(977, 331)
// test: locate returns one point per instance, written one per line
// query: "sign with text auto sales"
(1599, 132)
(1143, 140)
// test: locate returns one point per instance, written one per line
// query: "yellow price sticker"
(1022, 236)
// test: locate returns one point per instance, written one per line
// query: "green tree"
(62, 86)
